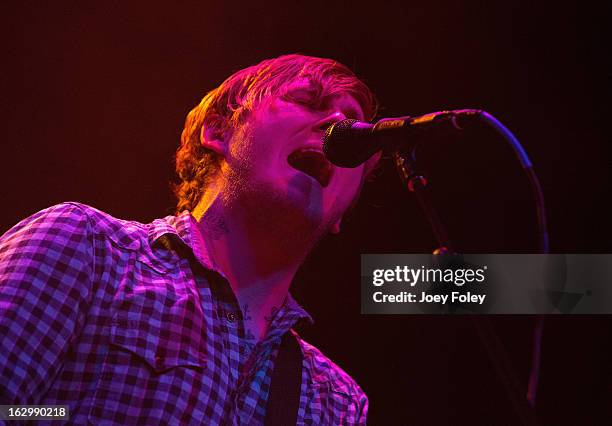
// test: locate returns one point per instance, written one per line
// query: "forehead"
(325, 87)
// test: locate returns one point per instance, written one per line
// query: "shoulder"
(48, 253)
(127, 234)
(66, 216)
(71, 217)
(72, 225)
(335, 397)
(324, 370)
(60, 225)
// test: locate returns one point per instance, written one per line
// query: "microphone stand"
(416, 182)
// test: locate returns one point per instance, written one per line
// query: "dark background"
(94, 95)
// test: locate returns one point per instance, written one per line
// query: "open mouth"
(313, 163)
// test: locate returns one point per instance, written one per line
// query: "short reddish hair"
(225, 108)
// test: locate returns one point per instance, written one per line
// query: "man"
(180, 321)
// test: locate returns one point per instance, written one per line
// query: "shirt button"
(231, 317)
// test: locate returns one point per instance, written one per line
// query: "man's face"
(275, 163)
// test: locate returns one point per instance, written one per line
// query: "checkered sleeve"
(46, 267)
(362, 411)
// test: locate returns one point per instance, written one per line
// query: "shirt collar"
(294, 308)
(174, 225)
(183, 227)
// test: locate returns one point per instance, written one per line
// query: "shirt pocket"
(155, 364)
(160, 350)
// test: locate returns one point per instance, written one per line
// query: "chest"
(162, 349)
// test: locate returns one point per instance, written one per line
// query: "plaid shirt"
(111, 318)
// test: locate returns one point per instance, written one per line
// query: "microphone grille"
(337, 132)
(339, 144)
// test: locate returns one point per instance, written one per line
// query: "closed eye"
(307, 96)
(311, 98)
(352, 113)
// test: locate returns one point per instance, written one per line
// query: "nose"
(328, 120)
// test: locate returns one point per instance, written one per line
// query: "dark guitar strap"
(284, 395)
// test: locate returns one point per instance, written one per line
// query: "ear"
(335, 228)
(212, 138)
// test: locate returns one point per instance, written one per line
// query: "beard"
(286, 212)
(291, 216)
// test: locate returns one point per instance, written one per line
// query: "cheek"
(265, 137)
(249, 144)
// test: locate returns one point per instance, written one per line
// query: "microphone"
(349, 143)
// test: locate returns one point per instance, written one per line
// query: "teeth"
(313, 163)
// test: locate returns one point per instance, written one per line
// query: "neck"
(254, 254)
